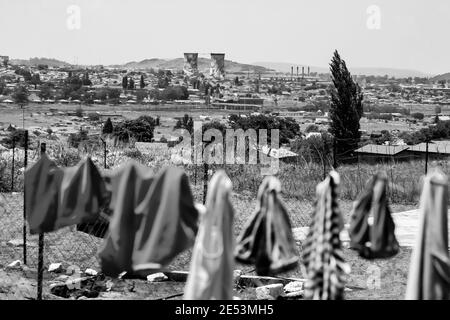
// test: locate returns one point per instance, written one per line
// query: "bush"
(75, 139)
(140, 129)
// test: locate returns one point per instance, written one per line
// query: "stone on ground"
(269, 292)
(157, 277)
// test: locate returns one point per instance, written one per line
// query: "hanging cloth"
(154, 219)
(212, 263)
(100, 226)
(429, 271)
(60, 197)
(377, 240)
(323, 256)
(267, 240)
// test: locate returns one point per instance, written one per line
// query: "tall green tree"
(346, 108)
(20, 95)
(125, 82)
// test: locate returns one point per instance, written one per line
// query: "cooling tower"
(217, 69)
(190, 67)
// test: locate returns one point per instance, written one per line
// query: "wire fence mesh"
(78, 248)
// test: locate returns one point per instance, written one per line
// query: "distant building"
(373, 153)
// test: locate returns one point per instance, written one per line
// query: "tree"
(346, 107)
(35, 80)
(418, 115)
(131, 84)
(20, 95)
(288, 127)
(142, 83)
(185, 123)
(108, 127)
(45, 91)
(139, 129)
(86, 81)
(125, 82)
(141, 94)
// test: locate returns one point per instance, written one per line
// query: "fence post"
(25, 164)
(205, 181)
(104, 153)
(41, 250)
(13, 160)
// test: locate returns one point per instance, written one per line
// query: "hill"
(203, 65)
(391, 72)
(36, 61)
(444, 76)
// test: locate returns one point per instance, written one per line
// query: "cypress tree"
(346, 108)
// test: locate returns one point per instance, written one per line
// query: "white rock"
(15, 264)
(90, 272)
(157, 277)
(15, 243)
(55, 267)
(269, 292)
(293, 286)
(295, 294)
(62, 278)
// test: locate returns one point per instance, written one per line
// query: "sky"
(409, 34)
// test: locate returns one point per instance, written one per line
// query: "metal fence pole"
(205, 181)
(25, 164)
(13, 160)
(104, 153)
(41, 250)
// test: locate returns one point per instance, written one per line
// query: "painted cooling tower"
(217, 69)
(190, 67)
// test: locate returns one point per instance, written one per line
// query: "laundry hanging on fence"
(267, 240)
(429, 272)
(99, 227)
(323, 256)
(154, 219)
(377, 240)
(211, 271)
(60, 197)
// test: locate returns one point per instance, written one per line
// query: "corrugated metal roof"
(432, 148)
(381, 149)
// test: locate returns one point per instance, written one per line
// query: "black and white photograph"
(259, 154)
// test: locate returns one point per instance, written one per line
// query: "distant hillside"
(445, 76)
(203, 65)
(36, 61)
(391, 72)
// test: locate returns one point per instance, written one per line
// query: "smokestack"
(297, 71)
(292, 71)
(303, 72)
(308, 71)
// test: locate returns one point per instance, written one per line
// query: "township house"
(372, 153)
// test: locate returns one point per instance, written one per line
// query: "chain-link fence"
(73, 247)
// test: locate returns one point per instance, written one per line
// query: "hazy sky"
(413, 34)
